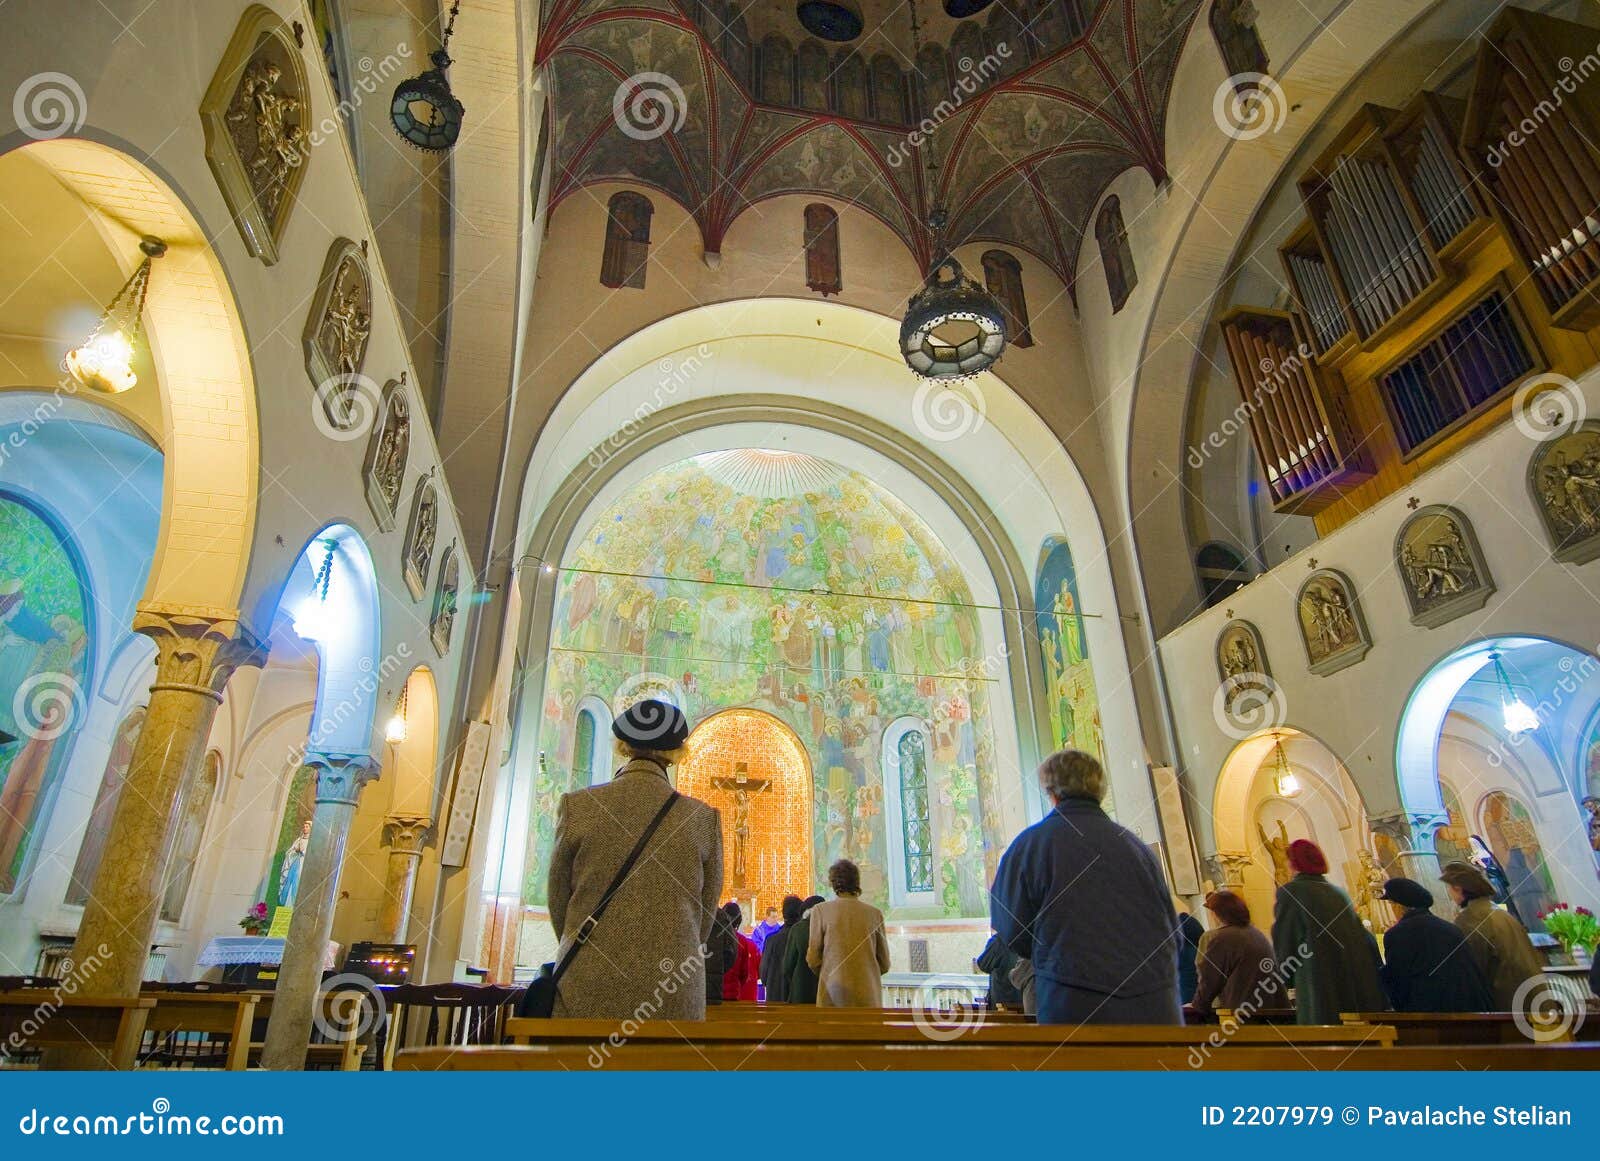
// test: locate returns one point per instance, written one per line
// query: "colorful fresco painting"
(1068, 673)
(1508, 829)
(781, 582)
(44, 661)
(1453, 841)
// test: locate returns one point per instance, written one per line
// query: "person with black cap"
(1499, 943)
(1427, 966)
(801, 986)
(646, 950)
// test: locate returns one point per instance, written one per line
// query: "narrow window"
(627, 246)
(1003, 275)
(822, 250)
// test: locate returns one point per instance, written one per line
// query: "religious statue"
(293, 859)
(442, 623)
(1592, 805)
(742, 786)
(420, 537)
(385, 467)
(347, 323)
(1369, 891)
(1277, 847)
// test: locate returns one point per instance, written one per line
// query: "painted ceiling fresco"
(1035, 106)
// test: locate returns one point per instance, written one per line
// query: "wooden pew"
(611, 1033)
(35, 1019)
(929, 1057)
(748, 1013)
(1423, 1028)
(206, 1014)
(340, 1055)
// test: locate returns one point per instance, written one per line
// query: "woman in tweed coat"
(645, 958)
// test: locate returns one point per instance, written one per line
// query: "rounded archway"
(1496, 762)
(754, 769)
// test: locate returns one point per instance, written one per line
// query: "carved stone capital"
(340, 777)
(197, 650)
(407, 834)
(1226, 869)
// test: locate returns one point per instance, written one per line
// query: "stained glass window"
(917, 834)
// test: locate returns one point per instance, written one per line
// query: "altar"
(254, 959)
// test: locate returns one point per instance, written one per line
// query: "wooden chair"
(36, 1019)
(205, 1027)
(426, 1015)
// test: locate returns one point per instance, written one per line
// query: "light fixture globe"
(104, 361)
(949, 299)
(424, 110)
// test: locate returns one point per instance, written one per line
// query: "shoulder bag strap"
(587, 927)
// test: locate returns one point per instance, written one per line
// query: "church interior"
(394, 392)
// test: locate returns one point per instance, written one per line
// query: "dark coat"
(1428, 967)
(1190, 930)
(997, 960)
(1235, 969)
(801, 985)
(722, 951)
(772, 975)
(1329, 958)
(1594, 976)
(1087, 902)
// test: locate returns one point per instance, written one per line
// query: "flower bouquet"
(255, 920)
(1572, 927)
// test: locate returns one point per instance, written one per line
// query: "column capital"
(340, 777)
(1410, 829)
(197, 649)
(1226, 868)
(407, 833)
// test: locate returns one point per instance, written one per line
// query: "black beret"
(1407, 893)
(652, 725)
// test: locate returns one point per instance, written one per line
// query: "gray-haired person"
(1087, 902)
(646, 953)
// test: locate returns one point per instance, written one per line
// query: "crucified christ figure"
(742, 786)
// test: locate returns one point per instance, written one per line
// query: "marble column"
(340, 778)
(405, 835)
(196, 652)
(1412, 833)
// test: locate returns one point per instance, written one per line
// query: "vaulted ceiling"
(1026, 139)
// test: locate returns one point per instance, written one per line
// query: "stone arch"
(203, 369)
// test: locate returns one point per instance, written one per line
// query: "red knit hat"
(1306, 858)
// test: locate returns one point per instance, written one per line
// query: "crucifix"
(742, 786)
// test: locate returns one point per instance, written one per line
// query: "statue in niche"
(445, 596)
(1368, 881)
(348, 322)
(337, 331)
(1564, 476)
(385, 468)
(420, 534)
(1592, 805)
(1242, 660)
(264, 121)
(1330, 623)
(1277, 848)
(1441, 566)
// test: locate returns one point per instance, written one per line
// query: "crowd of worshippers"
(1086, 928)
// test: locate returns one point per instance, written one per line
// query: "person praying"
(1427, 965)
(1498, 942)
(1322, 948)
(847, 947)
(1086, 900)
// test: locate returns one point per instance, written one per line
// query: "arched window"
(591, 744)
(823, 272)
(933, 80)
(850, 88)
(1233, 23)
(1002, 274)
(1222, 572)
(812, 76)
(738, 51)
(777, 71)
(909, 813)
(888, 90)
(1116, 255)
(627, 240)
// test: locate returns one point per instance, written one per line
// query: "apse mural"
(44, 656)
(1508, 829)
(784, 583)
(1068, 675)
(93, 847)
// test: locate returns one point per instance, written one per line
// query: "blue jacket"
(1087, 902)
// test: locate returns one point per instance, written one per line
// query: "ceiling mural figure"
(1031, 116)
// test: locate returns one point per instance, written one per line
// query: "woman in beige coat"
(848, 949)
